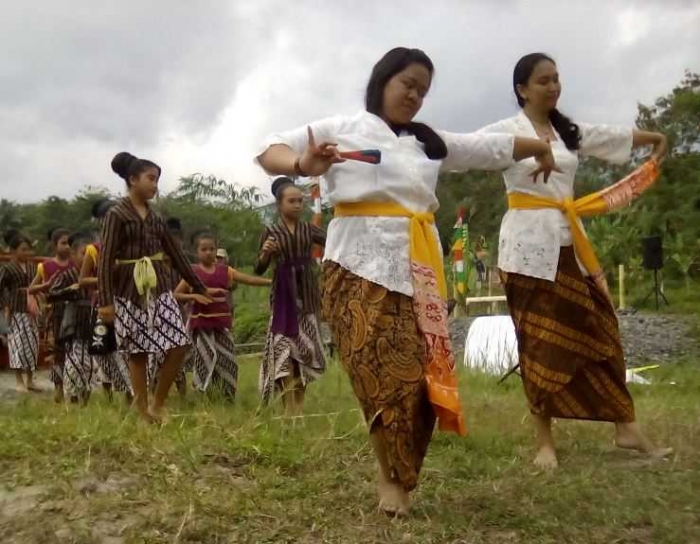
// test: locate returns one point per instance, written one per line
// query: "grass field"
(218, 473)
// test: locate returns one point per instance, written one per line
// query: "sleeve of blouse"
(105, 277)
(91, 252)
(324, 130)
(179, 262)
(606, 142)
(318, 236)
(260, 267)
(477, 151)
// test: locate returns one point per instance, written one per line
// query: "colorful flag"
(458, 255)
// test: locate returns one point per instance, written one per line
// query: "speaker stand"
(656, 291)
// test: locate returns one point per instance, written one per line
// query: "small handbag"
(104, 339)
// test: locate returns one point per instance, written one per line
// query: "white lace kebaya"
(530, 239)
(377, 248)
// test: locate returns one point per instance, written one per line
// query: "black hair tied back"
(393, 62)
(125, 165)
(279, 185)
(567, 129)
(101, 207)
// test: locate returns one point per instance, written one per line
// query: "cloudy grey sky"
(196, 86)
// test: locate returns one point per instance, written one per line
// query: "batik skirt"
(383, 352)
(214, 362)
(301, 356)
(156, 328)
(23, 342)
(571, 358)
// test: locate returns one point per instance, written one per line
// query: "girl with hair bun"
(23, 336)
(113, 367)
(385, 291)
(135, 291)
(570, 354)
(294, 354)
(210, 325)
(53, 313)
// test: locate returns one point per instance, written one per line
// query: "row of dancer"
(384, 288)
(67, 282)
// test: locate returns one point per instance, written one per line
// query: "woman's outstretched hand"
(317, 159)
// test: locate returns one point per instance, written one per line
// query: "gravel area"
(647, 338)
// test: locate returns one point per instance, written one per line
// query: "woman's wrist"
(297, 168)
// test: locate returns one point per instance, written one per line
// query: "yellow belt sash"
(609, 199)
(425, 248)
(145, 276)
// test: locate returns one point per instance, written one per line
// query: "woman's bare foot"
(630, 437)
(393, 498)
(34, 388)
(21, 388)
(546, 458)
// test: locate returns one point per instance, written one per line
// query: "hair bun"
(101, 207)
(121, 164)
(279, 184)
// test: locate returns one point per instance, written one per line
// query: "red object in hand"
(371, 156)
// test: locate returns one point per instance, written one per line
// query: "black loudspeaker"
(653, 253)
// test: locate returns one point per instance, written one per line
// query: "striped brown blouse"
(297, 247)
(127, 236)
(14, 282)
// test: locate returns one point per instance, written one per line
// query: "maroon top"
(216, 315)
(51, 268)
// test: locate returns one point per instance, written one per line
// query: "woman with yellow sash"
(134, 283)
(571, 359)
(384, 283)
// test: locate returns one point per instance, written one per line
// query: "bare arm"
(641, 138)
(282, 160)
(37, 286)
(87, 280)
(246, 279)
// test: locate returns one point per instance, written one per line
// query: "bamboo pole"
(621, 280)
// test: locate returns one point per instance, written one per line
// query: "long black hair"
(567, 129)
(126, 165)
(393, 62)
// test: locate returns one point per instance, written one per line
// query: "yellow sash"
(611, 198)
(425, 249)
(429, 295)
(572, 209)
(145, 276)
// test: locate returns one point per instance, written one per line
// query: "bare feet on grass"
(630, 437)
(546, 458)
(393, 498)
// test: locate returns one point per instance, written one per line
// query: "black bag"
(68, 322)
(104, 340)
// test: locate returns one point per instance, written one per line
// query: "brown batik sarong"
(383, 352)
(571, 358)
